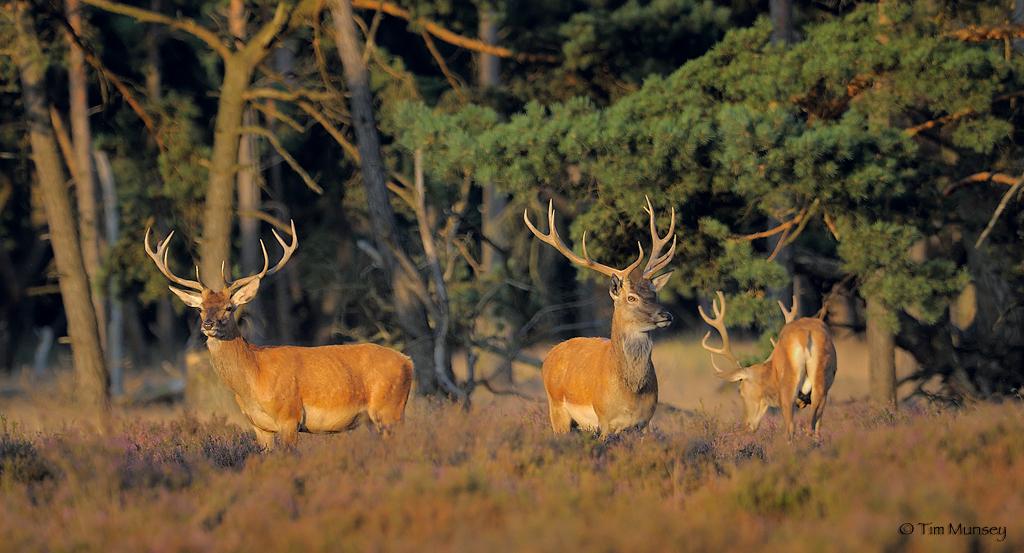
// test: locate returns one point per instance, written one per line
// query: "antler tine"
(289, 249)
(718, 323)
(552, 239)
(657, 261)
(793, 311)
(159, 257)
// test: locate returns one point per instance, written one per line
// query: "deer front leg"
(264, 438)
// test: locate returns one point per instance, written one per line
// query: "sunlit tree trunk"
(881, 354)
(215, 246)
(411, 313)
(85, 182)
(90, 371)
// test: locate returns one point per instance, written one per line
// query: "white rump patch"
(584, 415)
(810, 365)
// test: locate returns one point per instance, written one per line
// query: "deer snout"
(663, 318)
(208, 324)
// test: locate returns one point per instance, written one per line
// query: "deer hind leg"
(385, 417)
(817, 409)
(561, 421)
(794, 379)
(387, 405)
(820, 393)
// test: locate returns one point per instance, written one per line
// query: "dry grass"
(495, 479)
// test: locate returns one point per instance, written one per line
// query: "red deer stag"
(609, 385)
(799, 372)
(286, 389)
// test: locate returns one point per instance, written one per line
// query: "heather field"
(495, 479)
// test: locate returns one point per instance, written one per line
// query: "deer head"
(755, 380)
(217, 307)
(634, 294)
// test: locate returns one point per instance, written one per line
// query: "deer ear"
(616, 287)
(659, 282)
(246, 293)
(738, 374)
(191, 299)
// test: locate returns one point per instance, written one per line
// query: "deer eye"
(229, 309)
(632, 299)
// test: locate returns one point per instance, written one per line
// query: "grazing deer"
(799, 372)
(286, 389)
(609, 385)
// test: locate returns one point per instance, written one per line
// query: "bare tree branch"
(273, 140)
(180, 23)
(447, 35)
(455, 84)
(999, 211)
(982, 33)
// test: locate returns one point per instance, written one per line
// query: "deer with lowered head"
(284, 390)
(798, 373)
(609, 385)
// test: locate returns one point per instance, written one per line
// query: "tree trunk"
(881, 354)
(879, 317)
(248, 187)
(412, 316)
(284, 63)
(783, 31)
(494, 203)
(215, 246)
(115, 324)
(1017, 17)
(154, 36)
(90, 371)
(85, 177)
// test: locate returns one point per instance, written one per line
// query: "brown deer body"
(609, 384)
(284, 390)
(799, 372)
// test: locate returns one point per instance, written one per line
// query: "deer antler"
(718, 323)
(792, 313)
(160, 258)
(553, 240)
(656, 263)
(289, 249)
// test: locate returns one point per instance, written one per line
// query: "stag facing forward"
(286, 389)
(601, 384)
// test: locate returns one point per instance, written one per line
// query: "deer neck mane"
(234, 362)
(633, 356)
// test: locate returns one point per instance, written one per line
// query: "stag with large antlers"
(284, 390)
(799, 371)
(609, 385)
